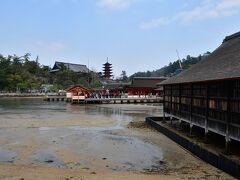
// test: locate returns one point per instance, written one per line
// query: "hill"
(173, 68)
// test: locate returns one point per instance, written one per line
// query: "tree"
(124, 77)
(172, 68)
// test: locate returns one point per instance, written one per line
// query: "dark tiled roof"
(73, 67)
(107, 64)
(115, 85)
(146, 82)
(223, 63)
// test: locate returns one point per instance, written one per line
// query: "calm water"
(15, 108)
(96, 136)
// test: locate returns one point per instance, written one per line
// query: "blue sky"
(136, 35)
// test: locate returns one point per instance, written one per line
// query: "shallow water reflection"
(87, 136)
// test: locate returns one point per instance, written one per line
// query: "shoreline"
(26, 95)
(214, 158)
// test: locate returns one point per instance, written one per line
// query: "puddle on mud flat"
(102, 145)
(118, 153)
(7, 156)
(46, 156)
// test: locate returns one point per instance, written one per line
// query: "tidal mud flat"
(59, 141)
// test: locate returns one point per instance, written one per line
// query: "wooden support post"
(207, 109)
(229, 95)
(227, 146)
(206, 137)
(191, 127)
(191, 104)
(171, 101)
(180, 100)
(164, 94)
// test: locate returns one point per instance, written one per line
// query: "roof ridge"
(160, 77)
(233, 36)
(70, 63)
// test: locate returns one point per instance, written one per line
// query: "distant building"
(207, 94)
(77, 68)
(115, 87)
(77, 91)
(144, 86)
(139, 86)
(46, 88)
(107, 71)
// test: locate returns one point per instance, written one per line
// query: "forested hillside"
(23, 74)
(172, 68)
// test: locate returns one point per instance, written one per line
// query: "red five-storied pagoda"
(107, 70)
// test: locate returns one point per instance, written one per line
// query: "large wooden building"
(77, 68)
(207, 95)
(143, 86)
(139, 86)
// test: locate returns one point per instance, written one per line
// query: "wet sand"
(95, 142)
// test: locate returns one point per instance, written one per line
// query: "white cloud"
(209, 9)
(115, 4)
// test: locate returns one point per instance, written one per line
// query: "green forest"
(172, 68)
(24, 74)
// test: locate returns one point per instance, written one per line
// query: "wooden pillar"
(207, 110)
(164, 93)
(171, 100)
(191, 127)
(191, 103)
(229, 95)
(180, 100)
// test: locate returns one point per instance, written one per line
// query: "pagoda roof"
(107, 64)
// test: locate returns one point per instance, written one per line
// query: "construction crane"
(179, 60)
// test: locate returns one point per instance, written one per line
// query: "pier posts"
(191, 127)
(227, 146)
(206, 137)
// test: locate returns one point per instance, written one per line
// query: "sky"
(136, 35)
